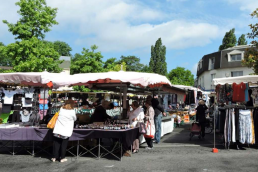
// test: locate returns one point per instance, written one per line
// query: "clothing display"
(238, 92)
(8, 96)
(26, 103)
(25, 115)
(245, 127)
(43, 93)
(43, 106)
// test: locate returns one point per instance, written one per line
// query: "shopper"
(63, 130)
(149, 117)
(159, 110)
(135, 116)
(200, 116)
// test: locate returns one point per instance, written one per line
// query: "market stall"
(236, 114)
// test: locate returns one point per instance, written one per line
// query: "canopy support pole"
(124, 102)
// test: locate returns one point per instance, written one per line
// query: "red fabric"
(238, 92)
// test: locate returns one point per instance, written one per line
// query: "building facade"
(221, 64)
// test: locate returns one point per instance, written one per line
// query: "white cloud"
(249, 5)
(117, 25)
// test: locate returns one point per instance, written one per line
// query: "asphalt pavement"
(175, 152)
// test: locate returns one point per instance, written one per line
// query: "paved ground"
(175, 153)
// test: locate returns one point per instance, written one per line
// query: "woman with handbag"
(150, 125)
(135, 116)
(63, 130)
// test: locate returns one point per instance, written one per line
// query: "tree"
(158, 58)
(33, 55)
(30, 53)
(5, 60)
(145, 69)
(37, 18)
(110, 63)
(251, 54)
(181, 76)
(62, 48)
(242, 40)
(132, 63)
(229, 40)
(88, 62)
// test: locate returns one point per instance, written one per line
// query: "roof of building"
(6, 67)
(66, 58)
(65, 65)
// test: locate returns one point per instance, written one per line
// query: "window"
(212, 62)
(235, 57)
(212, 77)
(200, 65)
(236, 73)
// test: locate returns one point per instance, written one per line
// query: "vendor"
(100, 114)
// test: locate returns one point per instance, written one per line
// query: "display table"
(125, 137)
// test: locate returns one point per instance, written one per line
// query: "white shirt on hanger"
(8, 98)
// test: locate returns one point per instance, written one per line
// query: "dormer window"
(211, 63)
(235, 56)
(200, 65)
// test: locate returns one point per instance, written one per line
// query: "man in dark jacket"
(200, 115)
(158, 109)
(100, 113)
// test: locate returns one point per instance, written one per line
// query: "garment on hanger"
(29, 92)
(8, 96)
(246, 92)
(25, 115)
(245, 127)
(238, 92)
(43, 94)
(254, 95)
(42, 113)
(43, 106)
(6, 108)
(228, 92)
(26, 103)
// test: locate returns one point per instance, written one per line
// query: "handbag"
(51, 124)
(142, 128)
(150, 130)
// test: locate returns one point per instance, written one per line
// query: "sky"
(189, 29)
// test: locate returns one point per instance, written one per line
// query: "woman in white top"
(135, 116)
(63, 130)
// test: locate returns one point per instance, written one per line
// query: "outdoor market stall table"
(126, 136)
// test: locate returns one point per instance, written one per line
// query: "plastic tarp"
(237, 80)
(136, 78)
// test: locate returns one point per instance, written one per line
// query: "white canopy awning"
(136, 78)
(35, 78)
(237, 80)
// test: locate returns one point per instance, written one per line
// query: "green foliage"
(5, 60)
(62, 48)
(81, 89)
(158, 58)
(110, 64)
(117, 67)
(33, 55)
(181, 76)
(145, 69)
(88, 62)
(242, 40)
(36, 19)
(251, 54)
(132, 63)
(229, 40)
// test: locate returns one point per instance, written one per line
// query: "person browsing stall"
(135, 116)
(200, 116)
(63, 130)
(149, 117)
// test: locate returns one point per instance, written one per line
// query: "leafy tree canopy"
(33, 55)
(132, 63)
(62, 48)
(251, 54)
(229, 40)
(36, 19)
(181, 76)
(88, 62)
(5, 60)
(158, 62)
(242, 40)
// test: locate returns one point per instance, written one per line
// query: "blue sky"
(188, 28)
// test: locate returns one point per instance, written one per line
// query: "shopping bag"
(142, 128)
(150, 130)
(51, 124)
